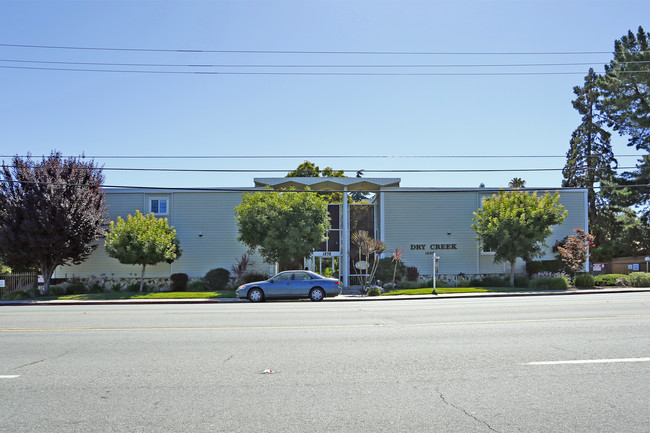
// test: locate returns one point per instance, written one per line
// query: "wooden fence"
(11, 282)
(619, 268)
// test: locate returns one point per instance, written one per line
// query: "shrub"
(521, 280)
(135, 287)
(549, 283)
(412, 273)
(536, 266)
(57, 291)
(179, 282)
(251, 277)
(374, 291)
(76, 287)
(34, 292)
(464, 283)
(425, 284)
(96, 287)
(608, 279)
(116, 287)
(217, 279)
(16, 295)
(584, 280)
(494, 281)
(197, 286)
(409, 285)
(638, 279)
(386, 267)
(388, 287)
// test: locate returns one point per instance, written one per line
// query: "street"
(515, 364)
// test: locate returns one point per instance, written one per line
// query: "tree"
(625, 87)
(590, 159)
(309, 169)
(369, 251)
(575, 250)
(517, 182)
(625, 105)
(630, 237)
(515, 224)
(282, 225)
(396, 256)
(142, 240)
(50, 212)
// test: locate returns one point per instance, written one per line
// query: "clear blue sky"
(107, 113)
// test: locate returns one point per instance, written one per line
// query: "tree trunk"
(512, 272)
(46, 271)
(142, 278)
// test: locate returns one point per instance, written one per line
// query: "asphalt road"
(531, 364)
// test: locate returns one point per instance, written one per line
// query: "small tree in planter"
(369, 249)
(396, 257)
(575, 251)
(142, 240)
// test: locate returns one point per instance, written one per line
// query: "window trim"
(151, 199)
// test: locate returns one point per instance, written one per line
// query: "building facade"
(421, 221)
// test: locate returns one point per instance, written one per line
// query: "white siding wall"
(431, 218)
(191, 213)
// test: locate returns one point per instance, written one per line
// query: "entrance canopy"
(328, 183)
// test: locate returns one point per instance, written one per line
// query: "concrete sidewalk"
(340, 298)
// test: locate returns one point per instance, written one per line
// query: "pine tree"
(626, 89)
(590, 159)
(625, 104)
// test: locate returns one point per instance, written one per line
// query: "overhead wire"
(392, 170)
(244, 65)
(342, 52)
(306, 157)
(267, 189)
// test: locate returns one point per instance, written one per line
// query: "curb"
(341, 298)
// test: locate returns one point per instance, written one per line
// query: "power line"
(408, 170)
(307, 157)
(222, 65)
(401, 190)
(365, 74)
(410, 53)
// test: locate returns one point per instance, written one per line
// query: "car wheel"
(317, 294)
(255, 295)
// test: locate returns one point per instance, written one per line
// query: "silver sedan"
(291, 284)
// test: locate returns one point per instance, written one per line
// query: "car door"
(302, 284)
(281, 286)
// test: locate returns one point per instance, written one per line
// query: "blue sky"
(126, 114)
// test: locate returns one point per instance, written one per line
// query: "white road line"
(9, 376)
(590, 361)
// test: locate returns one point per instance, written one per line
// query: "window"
(159, 206)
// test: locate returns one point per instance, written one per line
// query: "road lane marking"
(368, 325)
(590, 361)
(9, 376)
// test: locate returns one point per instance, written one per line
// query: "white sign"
(2, 283)
(598, 267)
(635, 267)
(361, 265)
(41, 279)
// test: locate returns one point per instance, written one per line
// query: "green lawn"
(443, 290)
(147, 295)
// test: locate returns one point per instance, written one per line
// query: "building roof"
(328, 183)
